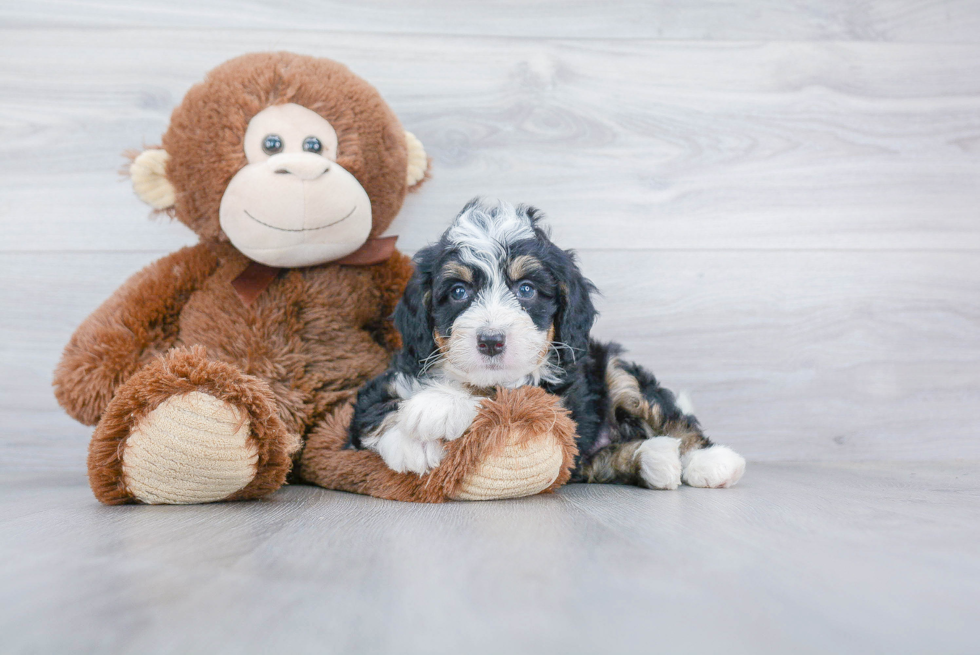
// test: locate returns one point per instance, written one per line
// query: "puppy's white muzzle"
(494, 342)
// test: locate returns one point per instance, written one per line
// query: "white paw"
(436, 414)
(404, 453)
(715, 467)
(660, 462)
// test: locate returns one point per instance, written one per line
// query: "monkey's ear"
(418, 161)
(149, 175)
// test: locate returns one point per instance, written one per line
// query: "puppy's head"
(494, 302)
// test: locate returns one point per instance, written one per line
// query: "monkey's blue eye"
(459, 292)
(272, 144)
(312, 144)
(525, 290)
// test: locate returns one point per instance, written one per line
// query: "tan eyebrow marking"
(441, 341)
(521, 265)
(457, 270)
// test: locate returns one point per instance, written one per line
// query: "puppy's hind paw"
(715, 467)
(660, 462)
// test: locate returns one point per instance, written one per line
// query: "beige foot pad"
(519, 469)
(193, 448)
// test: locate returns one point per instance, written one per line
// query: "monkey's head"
(294, 159)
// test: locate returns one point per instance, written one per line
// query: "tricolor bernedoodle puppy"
(496, 304)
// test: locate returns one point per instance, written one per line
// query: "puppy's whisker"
(432, 360)
(425, 369)
(555, 345)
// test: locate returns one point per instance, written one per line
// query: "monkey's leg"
(521, 443)
(186, 429)
(327, 462)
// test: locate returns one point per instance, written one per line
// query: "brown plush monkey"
(207, 371)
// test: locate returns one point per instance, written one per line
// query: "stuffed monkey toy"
(206, 372)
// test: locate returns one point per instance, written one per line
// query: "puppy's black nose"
(490, 343)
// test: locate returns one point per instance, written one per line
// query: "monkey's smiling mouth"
(306, 229)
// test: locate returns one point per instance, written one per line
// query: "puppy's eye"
(525, 290)
(272, 144)
(312, 144)
(459, 292)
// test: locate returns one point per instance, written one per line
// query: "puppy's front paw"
(715, 467)
(660, 462)
(462, 412)
(404, 453)
(433, 415)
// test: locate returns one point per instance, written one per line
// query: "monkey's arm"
(390, 279)
(138, 322)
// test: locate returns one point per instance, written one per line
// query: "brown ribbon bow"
(257, 277)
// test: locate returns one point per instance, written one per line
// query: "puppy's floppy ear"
(413, 318)
(576, 313)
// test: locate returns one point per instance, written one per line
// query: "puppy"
(496, 304)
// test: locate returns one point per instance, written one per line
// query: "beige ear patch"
(149, 175)
(418, 161)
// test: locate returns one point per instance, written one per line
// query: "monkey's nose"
(305, 166)
(490, 344)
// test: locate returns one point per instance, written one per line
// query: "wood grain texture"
(801, 558)
(942, 21)
(676, 145)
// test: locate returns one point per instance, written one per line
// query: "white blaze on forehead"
(483, 234)
(499, 306)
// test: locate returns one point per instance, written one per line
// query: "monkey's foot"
(522, 467)
(188, 430)
(192, 448)
(526, 445)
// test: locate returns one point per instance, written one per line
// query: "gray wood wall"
(780, 199)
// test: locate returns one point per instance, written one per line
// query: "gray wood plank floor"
(799, 558)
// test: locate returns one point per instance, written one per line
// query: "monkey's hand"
(137, 323)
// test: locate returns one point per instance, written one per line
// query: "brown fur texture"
(513, 416)
(305, 344)
(135, 325)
